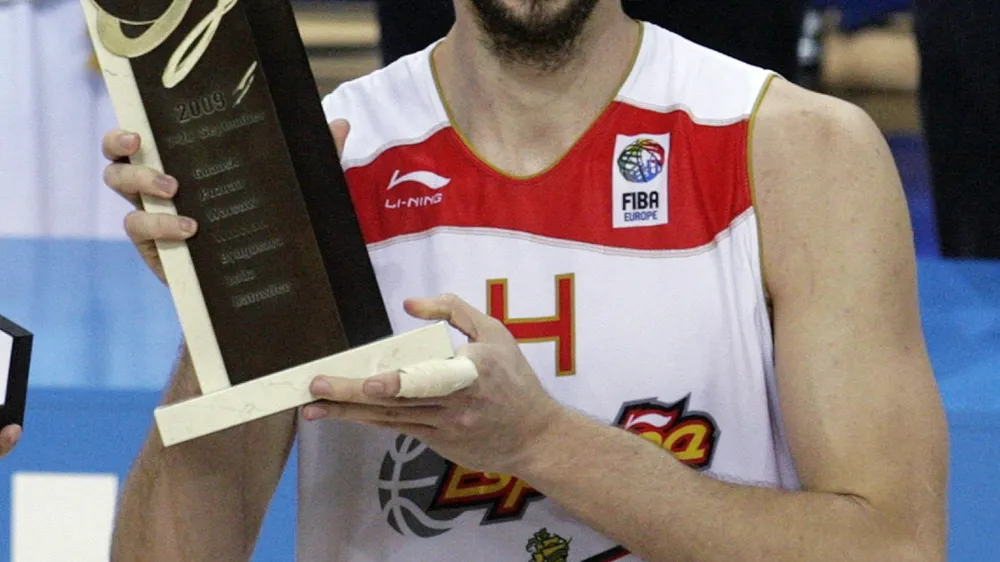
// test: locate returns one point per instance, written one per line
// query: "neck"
(508, 110)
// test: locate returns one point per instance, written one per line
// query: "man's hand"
(9, 437)
(489, 426)
(133, 181)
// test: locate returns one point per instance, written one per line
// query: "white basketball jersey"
(630, 273)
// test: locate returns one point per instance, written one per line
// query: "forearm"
(664, 511)
(205, 499)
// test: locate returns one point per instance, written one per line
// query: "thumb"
(340, 129)
(460, 314)
(9, 437)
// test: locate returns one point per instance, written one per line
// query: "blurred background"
(107, 336)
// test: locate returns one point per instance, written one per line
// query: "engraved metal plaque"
(223, 96)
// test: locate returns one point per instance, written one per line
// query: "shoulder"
(826, 185)
(797, 131)
(390, 106)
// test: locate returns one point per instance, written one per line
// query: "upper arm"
(859, 401)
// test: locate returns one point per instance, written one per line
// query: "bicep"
(860, 405)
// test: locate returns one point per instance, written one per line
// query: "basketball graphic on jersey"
(423, 494)
(642, 161)
(408, 482)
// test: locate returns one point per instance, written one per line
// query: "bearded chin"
(540, 38)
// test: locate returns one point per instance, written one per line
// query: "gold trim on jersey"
(468, 144)
(752, 181)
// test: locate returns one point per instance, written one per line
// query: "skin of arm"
(861, 409)
(204, 499)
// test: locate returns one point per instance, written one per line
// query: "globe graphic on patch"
(641, 161)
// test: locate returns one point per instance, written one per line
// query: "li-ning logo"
(429, 180)
(187, 54)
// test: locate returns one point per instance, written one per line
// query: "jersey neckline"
(578, 145)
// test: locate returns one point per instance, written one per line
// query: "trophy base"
(289, 389)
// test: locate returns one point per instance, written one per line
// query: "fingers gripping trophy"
(243, 210)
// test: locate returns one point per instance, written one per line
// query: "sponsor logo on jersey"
(639, 180)
(422, 494)
(428, 180)
(504, 497)
(688, 436)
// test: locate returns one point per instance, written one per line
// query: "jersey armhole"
(751, 181)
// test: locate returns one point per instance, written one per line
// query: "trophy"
(277, 286)
(15, 359)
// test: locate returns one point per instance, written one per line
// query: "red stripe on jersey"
(708, 186)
